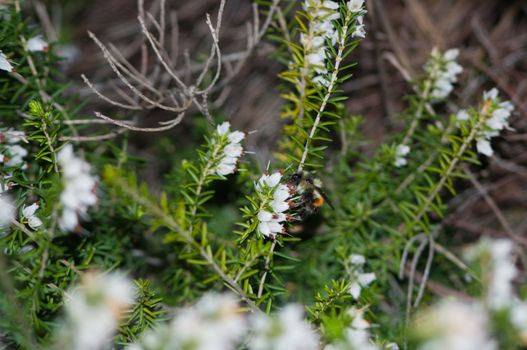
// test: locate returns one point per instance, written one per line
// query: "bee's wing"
(325, 196)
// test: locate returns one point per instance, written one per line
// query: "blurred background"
(491, 34)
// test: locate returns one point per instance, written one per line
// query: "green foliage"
(197, 231)
(146, 312)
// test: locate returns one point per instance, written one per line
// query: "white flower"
(451, 54)
(5, 64)
(357, 335)
(36, 44)
(79, 188)
(503, 272)
(400, 155)
(355, 5)
(483, 146)
(269, 181)
(29, 213)
(454, 325)
(223, 128)
(287, 331)
(462, 115)
(236, 136)
(7, 212)
(491, 94)
(95, 307)
(357, 259)
(12, 136)
(443, 71)
(15, 155)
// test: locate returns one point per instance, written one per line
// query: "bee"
(308, 193)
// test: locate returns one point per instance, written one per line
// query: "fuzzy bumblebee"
(309, 197)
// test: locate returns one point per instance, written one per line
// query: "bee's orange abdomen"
(318, 201)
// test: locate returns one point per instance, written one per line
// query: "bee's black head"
(295, 178)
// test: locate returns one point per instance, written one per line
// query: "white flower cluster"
(357, 335)
(356, 6)
(13, 154)
(322, 13)
(7, 211)
(29, 213)
(499, 120)
(5, 64)
(79, 188)
(287, 331)
(458, 325)
(214, 323)
(94, 309)
(401, 151)
(443, 70)
(274, 196)
(359, 279)
(502, 273)
(455, 325)
(231, 151)
(500, 292)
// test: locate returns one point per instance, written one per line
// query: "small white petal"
(355, 5)
(68, 220)
(492, 94)
(264, 229)
(7, 212)
(275, 227)
(273, 179)
(223, 128)
(400, 161)
(279, 217)
(225, 169)
(402, 150)
(34, 222)
(236, 136)
(355, 290)
(17, 154)
(281, 193)
(4, 63)
(391, 346)
(14, 136)
(279, 206)
(366, 278)
(484, 147)
(65, 154)
(228, 160)
(462, 115)
(30, 210)
(233, 150)
(264, 215)
(451, 54)
(357, 259)
(37, 44)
